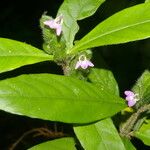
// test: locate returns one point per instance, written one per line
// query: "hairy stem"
(126, 129)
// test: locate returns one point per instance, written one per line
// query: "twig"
(40, 132)
(125, 130)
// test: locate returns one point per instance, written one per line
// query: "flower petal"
(78, 64)
(55, 24)
(129, 98)
(84, 64)
(58, 30)
(129, 93)
(131, 103)
(48, 22)
(90, 63)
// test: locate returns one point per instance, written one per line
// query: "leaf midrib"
(99, 134)
(46, 56)
(60, 98)
(107, 33)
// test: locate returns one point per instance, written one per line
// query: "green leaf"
(100, 136)
(104, 78)
(73, 10)
(103, 133)
(147, 1)
(14, 54)
(58, 144)
(142, 88)
(127, 25)
(144, 133)
(57, 98)
(128, 145)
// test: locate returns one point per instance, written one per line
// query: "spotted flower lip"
(83, 63)
(55, 24)
(131, 98)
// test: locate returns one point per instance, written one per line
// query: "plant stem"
(127, 127)
(39, 132)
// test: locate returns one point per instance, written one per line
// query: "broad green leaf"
(127, 25)
(147, 1)
(58, 144)
(100, 136)
(105, 79)
(142, 88)
(128, 145)
(144, 133)
(73, 10)
(103, 133)
(14, 54)
(57, 98)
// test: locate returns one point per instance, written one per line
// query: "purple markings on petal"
(131, 98)
(55, 24)
(83, 63)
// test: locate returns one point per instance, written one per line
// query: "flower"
(83, 63)
(55, 24)
(131, 98)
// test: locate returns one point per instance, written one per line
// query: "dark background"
(19, 20)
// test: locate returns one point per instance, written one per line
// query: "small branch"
(125, 130)
(39, 132)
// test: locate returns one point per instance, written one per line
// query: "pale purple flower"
(83, 63)
(55, 24)
(131, 98)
